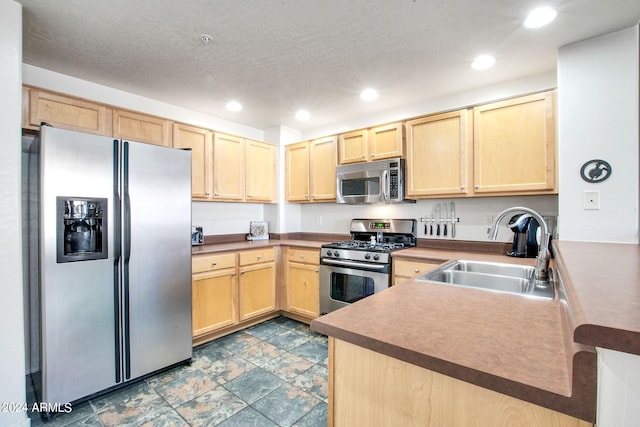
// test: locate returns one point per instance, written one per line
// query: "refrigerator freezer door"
(77, 298)
(158, 208)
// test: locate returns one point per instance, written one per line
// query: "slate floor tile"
(317, 417)
(260, 353)
(211, 408)
(314, 351)
(287, 366)
(265, 330)
(285, 405)
(314, 382)
(271, 375)
(253, 385)
(249, 417)
(289, 339)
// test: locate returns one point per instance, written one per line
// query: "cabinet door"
(386, 142)
(515, 146)
(303, 291)
(199, 141)
(353, 147)
(297, 172)
(322, 169)
(260, 172)
(69, 113)
(214, 301)
(439, 155)
(257, 290)
(403, 269)
(141, 128)
(228, 167)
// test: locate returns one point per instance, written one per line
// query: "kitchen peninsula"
(431, 354)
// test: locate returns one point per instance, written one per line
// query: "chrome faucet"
(542, 265)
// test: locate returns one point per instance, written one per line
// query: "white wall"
(599, 118)
(12, 364)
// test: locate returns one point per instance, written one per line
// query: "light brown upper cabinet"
(514, 146)
(199, 141)
(243, 170)
(65, 112)
(260, 171)
(141, 128)
(439, 155)
(311, 170)
(382, 142)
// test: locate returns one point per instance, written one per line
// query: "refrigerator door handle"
(117, 215)
(126, 256)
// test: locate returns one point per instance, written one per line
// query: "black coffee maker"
(525, 241)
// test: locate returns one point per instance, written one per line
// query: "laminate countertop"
(540, 351)
(253, 244)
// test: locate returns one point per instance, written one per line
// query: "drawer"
(412, 268)
(305, 256)
(201, 263)
(257, 256)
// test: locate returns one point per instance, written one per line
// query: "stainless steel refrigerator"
(114, 258)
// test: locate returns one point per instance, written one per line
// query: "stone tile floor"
(272, 374)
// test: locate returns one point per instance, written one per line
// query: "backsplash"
(233, 218)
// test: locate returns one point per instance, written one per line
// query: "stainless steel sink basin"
(497, 277)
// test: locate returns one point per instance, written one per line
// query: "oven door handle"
(353, 264)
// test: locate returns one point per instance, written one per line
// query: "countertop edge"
(580, 404)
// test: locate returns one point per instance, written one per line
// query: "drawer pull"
(214, 263)
(259, 257)
(416, 270)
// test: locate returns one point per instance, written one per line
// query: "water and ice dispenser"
(81, 229)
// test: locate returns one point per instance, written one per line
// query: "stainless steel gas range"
(356, 268)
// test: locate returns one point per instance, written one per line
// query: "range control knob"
(376, 257)
(328, 253)
(367, 256)
(336, 254)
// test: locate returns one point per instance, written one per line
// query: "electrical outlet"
(591, 200)
(488, 220)
(318, 219)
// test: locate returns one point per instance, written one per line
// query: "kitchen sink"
(497, 277)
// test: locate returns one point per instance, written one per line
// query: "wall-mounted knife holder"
(442, 221)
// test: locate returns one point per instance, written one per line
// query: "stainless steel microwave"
(372, 182)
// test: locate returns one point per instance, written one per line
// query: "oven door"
(341, 286)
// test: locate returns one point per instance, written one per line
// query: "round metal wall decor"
(595, 171)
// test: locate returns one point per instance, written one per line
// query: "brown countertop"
(522, 347)
(253, 244)
(602, 282)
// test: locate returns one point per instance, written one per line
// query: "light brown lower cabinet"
(214, 292)
(406, 269)
(302, 282)
(367, 388)
(230, 289)
(257, 283)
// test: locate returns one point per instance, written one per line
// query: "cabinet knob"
(248, 196)
(241, 271)
(363, 156)
(372, 155)
(416, 270)
(215, 194)
(259, 257)
(214, 263)
(477, 187)
(306, 196)
(462, 187)
(207, 194)
(302, 256)
(233, 274)
(316, 270)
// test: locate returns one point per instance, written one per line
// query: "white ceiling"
(278, 56)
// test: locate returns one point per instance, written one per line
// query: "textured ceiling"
(278, 56)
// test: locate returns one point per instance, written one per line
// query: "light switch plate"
(591, 200)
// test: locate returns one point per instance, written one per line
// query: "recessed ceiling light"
(234, 106)
(540, 17)
(369, 95)
(483, 62)
(303, 115)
